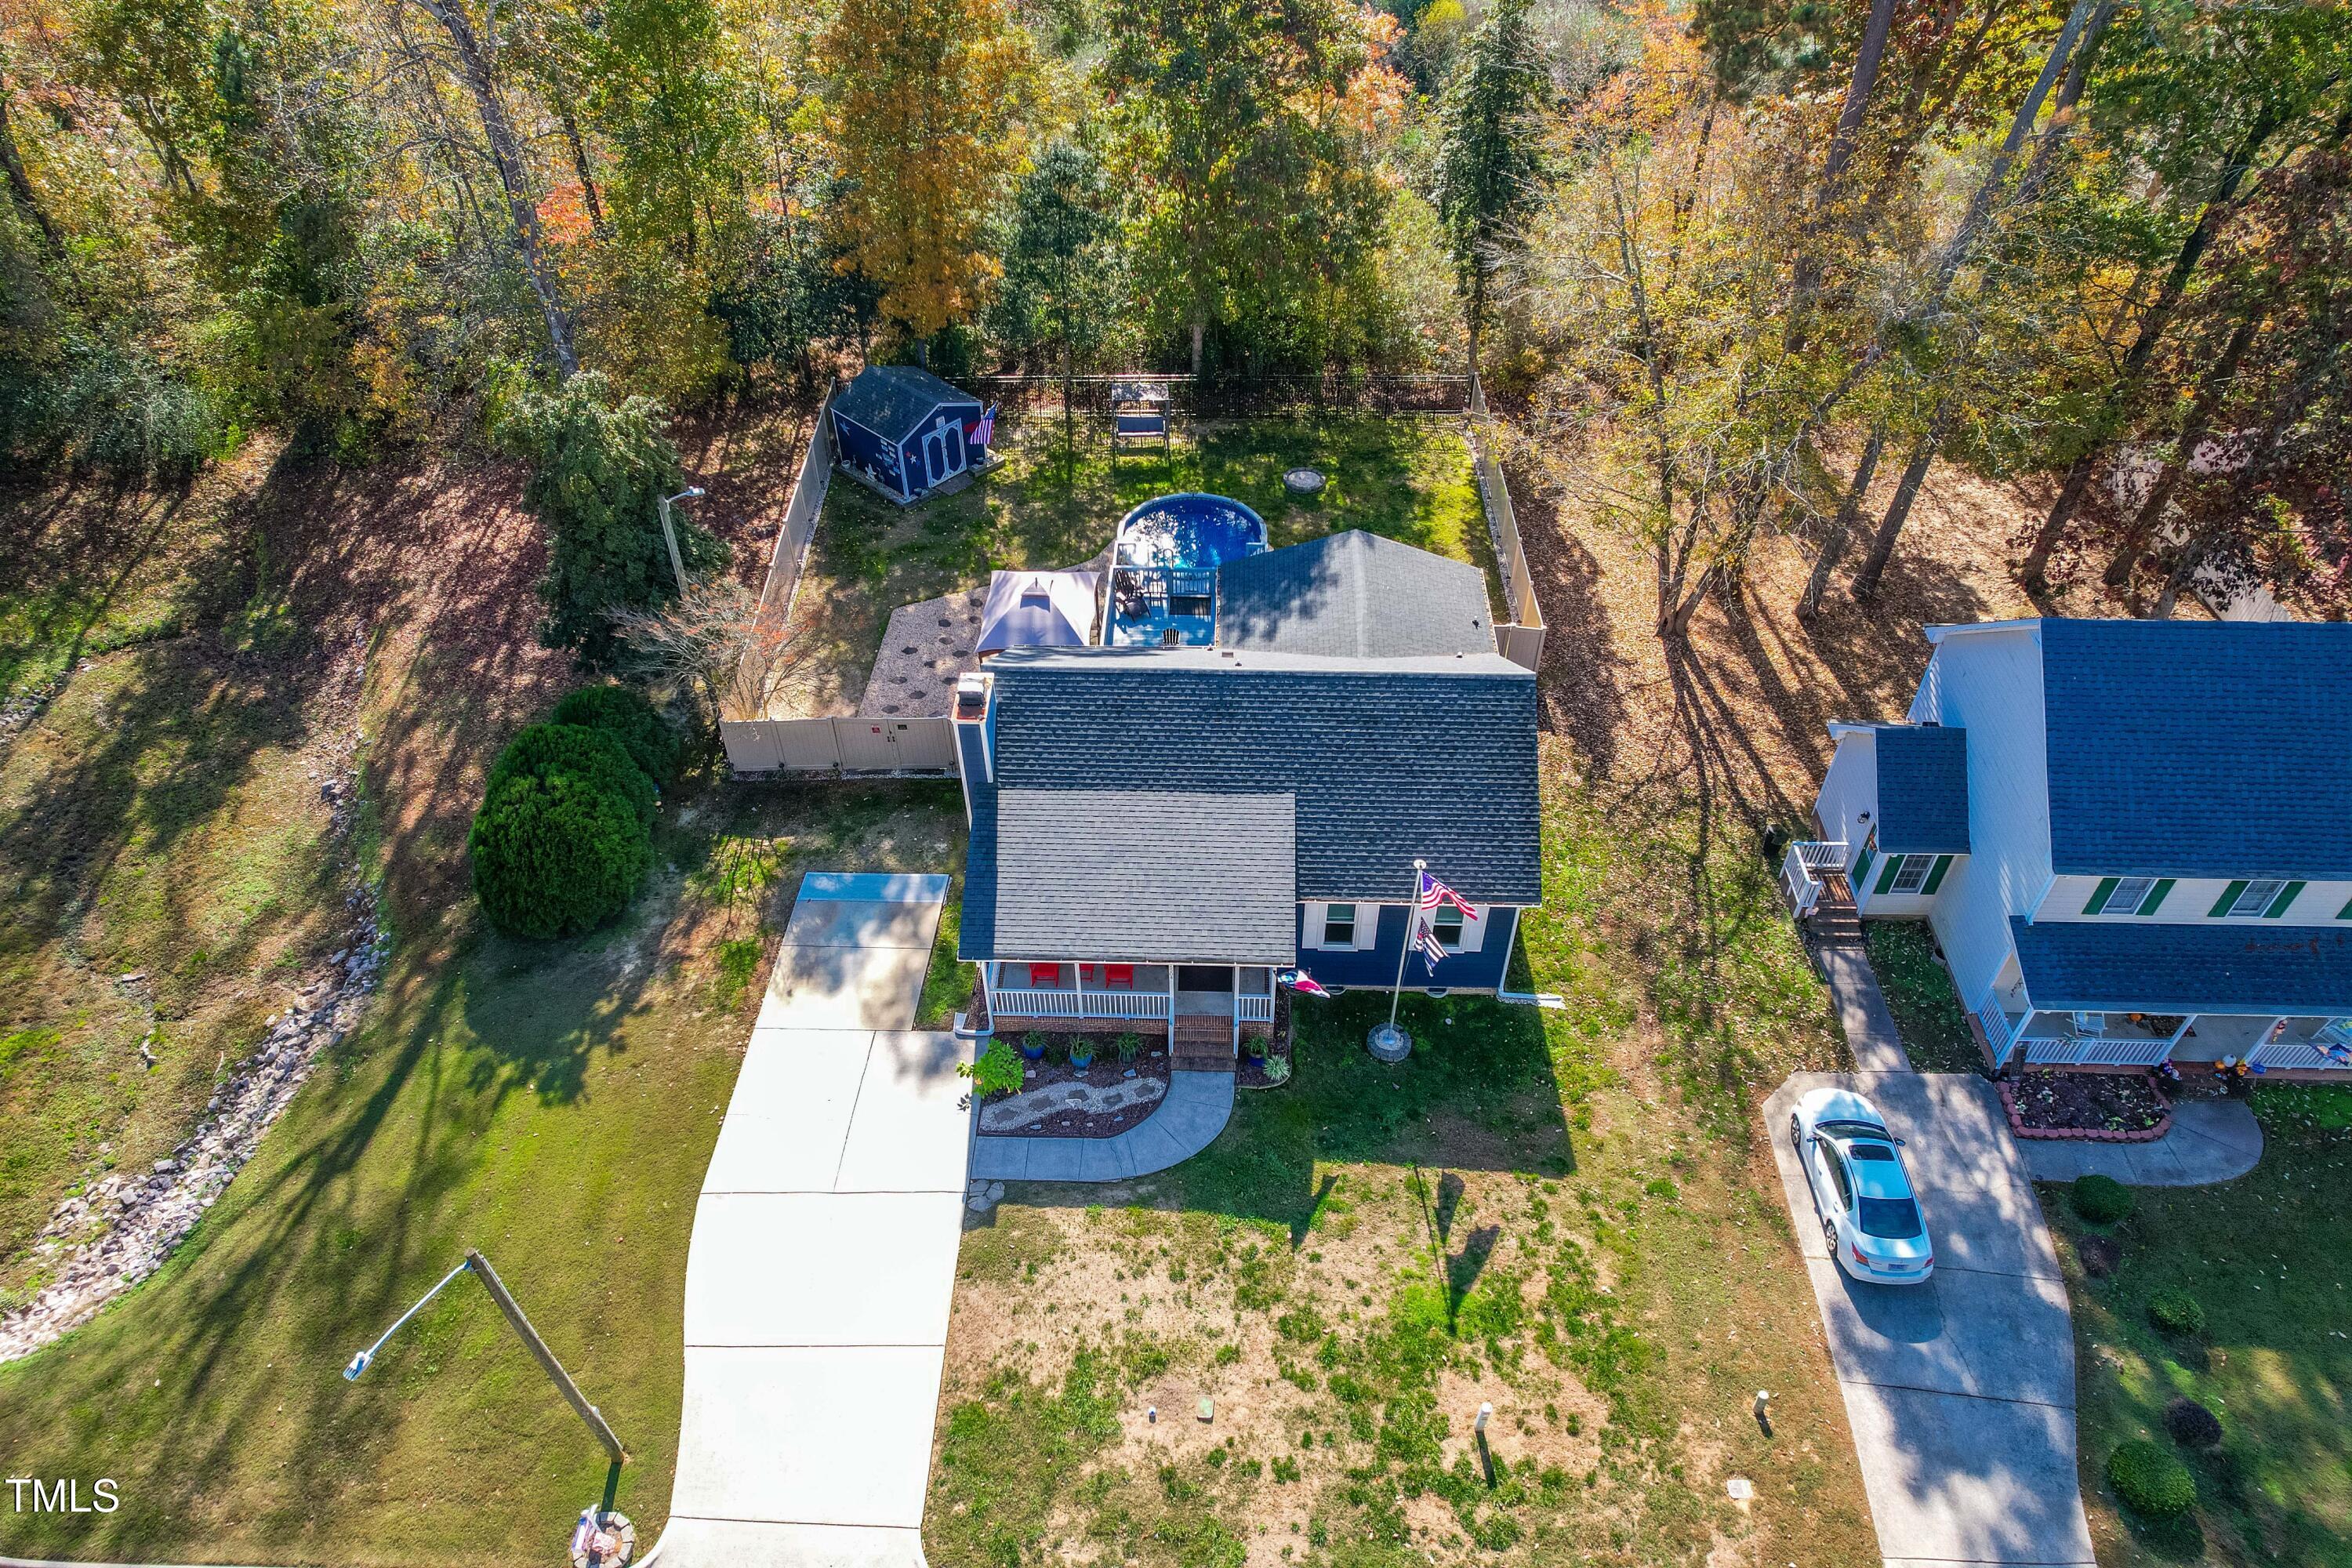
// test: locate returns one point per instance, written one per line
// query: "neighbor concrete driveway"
(824, 1252)
(1961, 1391)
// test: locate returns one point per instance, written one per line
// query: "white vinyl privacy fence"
(1522, 640)
(841, 745)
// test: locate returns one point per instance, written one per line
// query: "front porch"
(2049, 1037)
(1191, 1005)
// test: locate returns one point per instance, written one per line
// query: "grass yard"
(1050, 507)
(1919, 992)
(2270, 1258)
(554, 1104)
(1562, 1214)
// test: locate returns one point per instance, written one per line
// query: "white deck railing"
(1040, 1004)
(2000, 1028)
(2100, 1050)
(1797, 868)
(1256, 1009)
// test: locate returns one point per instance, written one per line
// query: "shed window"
(1339, 925)
(2255, 897)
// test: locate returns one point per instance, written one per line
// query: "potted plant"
(1253, 1046)
(1082, 1053)
(1033, 1045)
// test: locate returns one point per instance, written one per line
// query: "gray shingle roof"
(1146, 876)
(1923, 790)
(2217, 966)
(2199, 748)
(891, 399)
(1353, 593)
(1390, 759)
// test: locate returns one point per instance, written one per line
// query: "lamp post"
(481, 1268)
(669, 534)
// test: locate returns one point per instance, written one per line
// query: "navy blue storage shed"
(906, 431)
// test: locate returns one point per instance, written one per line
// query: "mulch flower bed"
(1250, 1071)
(1108, 1071)
(2101, 1108)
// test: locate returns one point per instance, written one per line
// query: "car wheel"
(1796, 1135)
(1828, 1235)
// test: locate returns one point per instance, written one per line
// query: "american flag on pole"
(1424, 937)
(1436, 895)
(983, 433)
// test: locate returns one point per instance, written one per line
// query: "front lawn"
(554, 1104)
(1563, 1214)
(1919, 992)
(2268, 1256)
(1050, 506)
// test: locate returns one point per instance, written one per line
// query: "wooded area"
(2105, 243)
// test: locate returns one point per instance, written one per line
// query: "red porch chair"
(1119, 976)
(1045, 976)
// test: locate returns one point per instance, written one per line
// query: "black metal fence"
(1240, 396)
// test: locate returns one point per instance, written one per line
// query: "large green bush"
(544, 751)
(556, 855)
(2102, 1200)
(624, 714)
(2151, 1480)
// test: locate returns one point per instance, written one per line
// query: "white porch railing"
(1032, 1003)
(2330, 1047)
(2000, 1028)
(1797, 868)
(1255, 1009)
(2101, 1050)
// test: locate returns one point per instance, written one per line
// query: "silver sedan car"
(1870, 1216)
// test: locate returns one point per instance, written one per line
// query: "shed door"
(943, 450)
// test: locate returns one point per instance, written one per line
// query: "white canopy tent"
(1037, 609)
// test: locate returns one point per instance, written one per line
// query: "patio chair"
(1045, 976)
(1119, 976)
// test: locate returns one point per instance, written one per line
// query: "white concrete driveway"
(824, 1252)
(1961, 1391)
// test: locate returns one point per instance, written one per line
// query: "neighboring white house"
(2132, 838)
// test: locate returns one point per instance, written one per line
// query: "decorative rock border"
(2084, 1134)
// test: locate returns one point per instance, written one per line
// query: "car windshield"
(1851, 1128)
(1893, 1219)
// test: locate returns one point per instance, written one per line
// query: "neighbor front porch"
(2281, 1038)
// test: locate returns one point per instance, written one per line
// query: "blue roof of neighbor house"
(891, 400)
(2199, 748)
(1388, 759)
(2215, 966)
(1923, 790)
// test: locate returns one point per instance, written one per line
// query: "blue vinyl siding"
(1376, 967)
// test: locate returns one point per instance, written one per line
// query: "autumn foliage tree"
(923, 101)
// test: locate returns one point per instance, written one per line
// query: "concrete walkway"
(824, 1253)
(1187, 1121)
(1960, 1391)
(2209, 1141)
(1861, 1009)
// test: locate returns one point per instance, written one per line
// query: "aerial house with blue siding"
(905, 431)
(2133, 840)
(1156, 832)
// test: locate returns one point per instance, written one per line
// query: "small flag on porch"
(983, 433)
(1436, 895)
(1300, 981)
(1424, 937)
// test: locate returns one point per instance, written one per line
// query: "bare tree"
(715, 645)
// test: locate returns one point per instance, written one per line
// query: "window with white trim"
(1339, 925)
(1446, 923)
(2255, 898)
(2130, 893)
(1912, 874)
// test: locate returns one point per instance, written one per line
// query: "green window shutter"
(2286, 896)
(1861, 866)
(1886, 877)
(2100, 895)
(2229, 896)
(2155, 899)
(2344, 913)
(1936, 876)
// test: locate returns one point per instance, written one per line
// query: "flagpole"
(1412, 913)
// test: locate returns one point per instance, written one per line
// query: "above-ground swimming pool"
(1163, 575)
